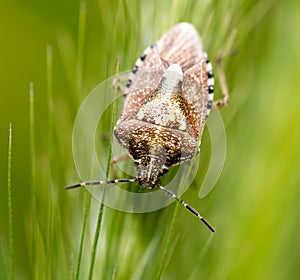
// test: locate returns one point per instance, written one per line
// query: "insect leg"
(188, 207)
(97, 182)
(223, 84)
(116, 159)
(119, 158)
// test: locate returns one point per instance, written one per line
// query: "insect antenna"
(188, 207)
(97, 182)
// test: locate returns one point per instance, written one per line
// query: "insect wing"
(144, 79)
(197, 97)
(180, 45)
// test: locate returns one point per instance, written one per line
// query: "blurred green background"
(254, 205)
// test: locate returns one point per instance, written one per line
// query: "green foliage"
(58, 52)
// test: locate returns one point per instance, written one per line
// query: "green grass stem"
(96, 238)
(81, 44)
(11, 265)
(50, 220)
(80, 62)
(33, 182)
(101, 209)
(83, 232)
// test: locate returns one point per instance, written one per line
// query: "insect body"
(169, 95)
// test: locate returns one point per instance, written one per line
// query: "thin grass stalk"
(114, 116)
(85, 219)
(50, 231)
(100, 215)
(96, 238)
(11, 265)
(80, 61)
(33, 182)
(110, 259)
(81, 45)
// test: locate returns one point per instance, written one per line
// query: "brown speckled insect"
(169, 95)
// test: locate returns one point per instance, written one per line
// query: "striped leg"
(190, 208)
(96, 183)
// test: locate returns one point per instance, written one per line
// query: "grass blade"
(50, 231)
(11, 268)
(100, 215)
(96, 238)
(80, 61)
(33, 182)
(86, 215)
(81, 42)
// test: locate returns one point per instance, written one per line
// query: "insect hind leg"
(223, 84)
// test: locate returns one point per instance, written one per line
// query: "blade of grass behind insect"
(111, 254)
(81, 45)
(56, 243)
(80, 62)
(114, 115)
(33, 182)
(11, 268)
(101, 209)
(85, 219)
(97, 233)
(50, 231)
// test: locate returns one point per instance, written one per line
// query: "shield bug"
(168, 97)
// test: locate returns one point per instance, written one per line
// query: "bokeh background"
(65, 48)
